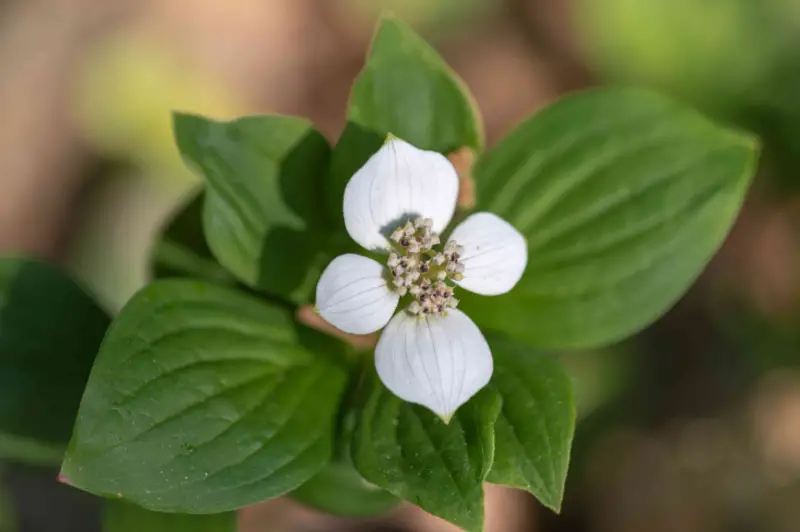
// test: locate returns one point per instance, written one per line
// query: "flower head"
(398, 204)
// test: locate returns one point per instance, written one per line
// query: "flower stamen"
(418, 269)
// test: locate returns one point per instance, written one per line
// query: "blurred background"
(692, 425)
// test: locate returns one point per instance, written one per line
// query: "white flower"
(398, 203)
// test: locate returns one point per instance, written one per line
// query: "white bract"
(398, 203)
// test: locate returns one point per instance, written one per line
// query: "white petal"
(495, 254)
(353, 295)
(397, 183)
(438, 362)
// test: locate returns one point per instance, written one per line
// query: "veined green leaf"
(409, 451)
(533, 433)
(263, 214)
(623, 197)
(202, 400)
(407, 90)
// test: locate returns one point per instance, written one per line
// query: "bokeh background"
(691, 426)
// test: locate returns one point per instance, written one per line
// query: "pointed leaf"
(405, 89)
(623, 197)
(409, 451)
(533, 434)
(262, 215)
(202, 400)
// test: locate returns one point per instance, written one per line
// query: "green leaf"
(405, 89)
(124, 517)
(623, 197)
(181, 249)
(340, 490)
(263, 212)
(533, 434)
(8, 516)
(202, 400)
(409, 451)
(50, 331)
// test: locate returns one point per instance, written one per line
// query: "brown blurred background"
(693, 425)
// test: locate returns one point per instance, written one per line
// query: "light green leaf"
(623, 197)
(263, 213)
(409, 451)
(50, 331)
(533, 434)
(405, 89)
(124, 517)
(202, 400)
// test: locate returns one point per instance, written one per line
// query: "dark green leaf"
(410, 452)
(181, 249)
(623, 197)
(124, 517)
(202, 400)
(405, 89)
(262, 215)
(340, 490)
(50, 331)
(533, 434)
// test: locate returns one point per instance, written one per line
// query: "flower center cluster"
(419, 270)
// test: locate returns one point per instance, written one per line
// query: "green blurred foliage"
(7, 518)
(735, 59)
(126, 93)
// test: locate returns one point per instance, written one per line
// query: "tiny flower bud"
(414, 289)
(427, 222)
(441, 275)
(458, 276)
(414, 308)
(451, 267)
(438, 259)
(402, 290)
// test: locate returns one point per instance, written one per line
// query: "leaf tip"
(387, 16)
(177, 117)
(63, 479)
(554, 505)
